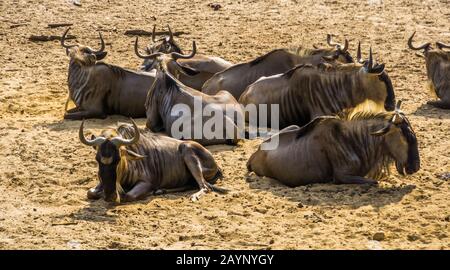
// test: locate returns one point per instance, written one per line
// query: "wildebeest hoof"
(94, 194)
(196, 196)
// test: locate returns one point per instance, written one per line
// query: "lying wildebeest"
(199, 68)
(99, 89)
(306, 92)
(236, 78)
(438, 70)
(344, 151)
(168, 93)
(134, 163)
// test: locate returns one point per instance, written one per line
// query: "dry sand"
(45, 171)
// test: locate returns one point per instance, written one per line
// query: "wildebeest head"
(168, 61)
(165, 44)
(401, 142)
(112, 158)
(378, 80)
(84, 55)
(432, 56)
(337, 52)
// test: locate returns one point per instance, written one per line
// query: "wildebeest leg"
(350, 179)
(80, 115)
(195, 167)
(139, 191)
(439, 104)
(95, 193)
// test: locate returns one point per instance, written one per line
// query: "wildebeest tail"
(217, 189)
(210, 183)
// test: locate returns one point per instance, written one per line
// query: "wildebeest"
(305, 92)
(167, 93)
(99, 89)
(236, 78)
(438, 70)
(340, 150)
(199, 68)
(134, 163)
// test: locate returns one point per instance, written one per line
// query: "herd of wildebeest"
(338, 115)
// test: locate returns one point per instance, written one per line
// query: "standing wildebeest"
(306, 92)
(236, 78)
(134, 163)
(167, 93)
(199, 68)
(438, 70)
(99, 89)
(341, 150)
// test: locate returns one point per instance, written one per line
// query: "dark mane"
(262, 57)
(390, 98)
(147, 141)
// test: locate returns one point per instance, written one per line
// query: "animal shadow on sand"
(102, 211)
(329, 194)
(428, 110)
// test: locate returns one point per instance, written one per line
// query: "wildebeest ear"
(377, 69)
(420, 55)
(100, 55)
(381, 131)
(189, 71)
(133, 155)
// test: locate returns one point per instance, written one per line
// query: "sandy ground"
(45, 171)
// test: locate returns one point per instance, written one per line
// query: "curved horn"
(153, 33)
(358, 53)
(119, 141)
(136, 51)
(345, 46)
(441, 45)
(176, 55)
(170, 33)
(423, 46)
(63, 40)
(397, 111)
(95, 142)
(330, 41)
(102, 48)
(398, 105)
(370, 63)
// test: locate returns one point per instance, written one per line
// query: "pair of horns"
(174, 55)
(370, 63)
(63, 42)
(117, 141)
(426, 46)
(331, 43)
(397, 111)
(154, 35)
